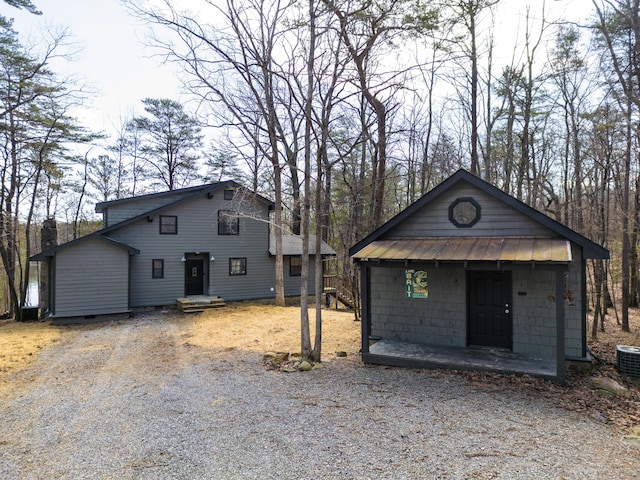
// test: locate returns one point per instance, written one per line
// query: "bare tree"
(365, 27)
(34, 124)
(618, 28)
(467, 13)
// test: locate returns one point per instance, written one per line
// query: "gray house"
(469, 277)
(208, 241)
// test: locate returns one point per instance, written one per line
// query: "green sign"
(415, 284)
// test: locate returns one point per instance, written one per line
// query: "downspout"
(365, 317)
(560, 326)
(584, 308)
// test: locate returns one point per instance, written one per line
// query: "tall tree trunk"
(626, 244)
(305, 334)
(474, 96)
(633, 266)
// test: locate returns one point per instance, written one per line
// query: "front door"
(194, 276)
(490, 309)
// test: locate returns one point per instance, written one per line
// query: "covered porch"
(516, 286)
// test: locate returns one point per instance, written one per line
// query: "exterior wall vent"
(629, 360)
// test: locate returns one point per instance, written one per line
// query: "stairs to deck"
(335, 288)
(341, 296)
(199, 303)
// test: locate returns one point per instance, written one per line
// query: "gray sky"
(115, 63)
(113, 60)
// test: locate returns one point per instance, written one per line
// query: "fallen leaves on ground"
(578, 395)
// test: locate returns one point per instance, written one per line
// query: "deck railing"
(336, 288)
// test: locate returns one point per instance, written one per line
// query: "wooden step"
(199, 303)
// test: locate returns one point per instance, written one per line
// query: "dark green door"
(490, 323)
(194, 276)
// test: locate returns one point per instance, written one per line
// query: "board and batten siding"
(198, 232)
(91, 279)
(497, 218)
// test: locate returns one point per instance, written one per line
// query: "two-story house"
(211, 240)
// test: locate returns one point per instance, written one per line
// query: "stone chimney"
(48, 239)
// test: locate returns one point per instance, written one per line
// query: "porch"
(413, 355)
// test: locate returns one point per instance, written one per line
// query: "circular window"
(464, 212)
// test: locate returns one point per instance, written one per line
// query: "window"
(228, 223)
(168, 225)
(295, 266)
(237, 266)
(228, 194)
(157, 268)
(464, 212)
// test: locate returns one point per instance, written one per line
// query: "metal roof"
(503, 249)
(292, 246)
(590, 249)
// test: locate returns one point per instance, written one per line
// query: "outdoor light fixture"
(183, 259)
(212, 258)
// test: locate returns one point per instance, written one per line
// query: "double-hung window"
(157, 268)
(228, 223)
(168, 225)
(237, 266)
(295, 266)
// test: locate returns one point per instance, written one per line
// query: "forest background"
(344, 113)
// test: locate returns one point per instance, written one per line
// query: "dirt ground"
(240, 326)
(21, 342)
(263, 328)
(256, 327)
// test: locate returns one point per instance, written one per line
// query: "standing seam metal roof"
(504, 249)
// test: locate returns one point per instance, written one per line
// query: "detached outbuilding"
(469, 277)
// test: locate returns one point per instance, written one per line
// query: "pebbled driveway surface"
(137, 400)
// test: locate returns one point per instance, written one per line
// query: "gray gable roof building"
(470, 277)
(210, 240)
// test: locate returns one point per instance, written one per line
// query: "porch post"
(365, 319)
(560, 354)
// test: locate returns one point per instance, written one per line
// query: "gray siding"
(534, 307)
(120, 211)
(198, 232)
(292, 284)
(575, 321)
(441, 319)
(437, 320)
(497, 218)
(91, 279)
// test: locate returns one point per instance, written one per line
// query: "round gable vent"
(629, 360)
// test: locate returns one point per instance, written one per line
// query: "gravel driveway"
(134, 400)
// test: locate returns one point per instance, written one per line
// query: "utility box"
(629, 360)
(29, 314)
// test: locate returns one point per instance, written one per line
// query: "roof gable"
(92, 236)
(533, 216)
(209, 191)
(193, 192)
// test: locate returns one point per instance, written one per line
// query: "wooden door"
(490, 309)
(194, 277)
